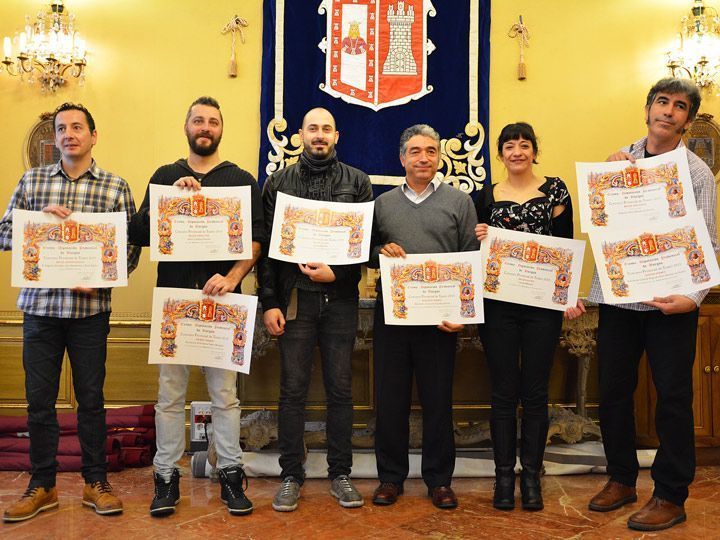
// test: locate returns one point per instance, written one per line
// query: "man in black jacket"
(313, 304)
(203, 128)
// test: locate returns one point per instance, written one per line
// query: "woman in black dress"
(520, 340)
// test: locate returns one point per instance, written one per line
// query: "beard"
(319, 152)
(203, 150)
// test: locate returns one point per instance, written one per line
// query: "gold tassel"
(520, 31)
(232, 69)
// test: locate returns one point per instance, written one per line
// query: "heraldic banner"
(379, 66)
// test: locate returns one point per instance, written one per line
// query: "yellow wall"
(590, 64)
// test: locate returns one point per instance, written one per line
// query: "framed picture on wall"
(703, 138)
(40, 144)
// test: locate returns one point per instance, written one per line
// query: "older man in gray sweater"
(423, 215)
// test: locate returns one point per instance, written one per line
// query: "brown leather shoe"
(613, 496)
(656, 515)
(443, 497)
(99, 496)
(387, 493)
(33, 501)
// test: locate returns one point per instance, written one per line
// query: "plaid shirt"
(703, 183)
(95, 190)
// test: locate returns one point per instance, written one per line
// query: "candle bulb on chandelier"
(23, 42)
(7, 47)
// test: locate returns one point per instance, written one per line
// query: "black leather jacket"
(277, 278)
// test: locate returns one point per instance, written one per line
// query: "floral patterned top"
(532, 216)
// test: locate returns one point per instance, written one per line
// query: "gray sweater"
(442, 223)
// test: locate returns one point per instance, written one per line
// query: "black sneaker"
(234, 482)
(167, 494)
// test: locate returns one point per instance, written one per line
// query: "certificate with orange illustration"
(531, 269)
(639, 262)
(213, 223)
(192, 328)
(305, 231)
(613, 193)
(86, 249)
(429, 288)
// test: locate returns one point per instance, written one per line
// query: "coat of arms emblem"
(376, 51)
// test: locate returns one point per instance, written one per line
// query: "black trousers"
(519, 343)
(669, 341)
(429, 354)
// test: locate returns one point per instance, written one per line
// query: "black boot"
(531, 490)
(504, 438)
(532, 450)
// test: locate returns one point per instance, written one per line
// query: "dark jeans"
(519, 343)
(45, 340)
(669, 341)
(429, 354)
(332, 325)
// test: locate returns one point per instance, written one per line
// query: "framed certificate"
(429, 288)
(86, 249)
(319, 231)
(189, 327)
(637, 263)
(531, 269)
(214, 223)
(614, 193)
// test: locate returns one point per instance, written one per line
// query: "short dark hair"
(671, 85)
(204, 100)
(67, 106)
(518, 130)
(418, 129)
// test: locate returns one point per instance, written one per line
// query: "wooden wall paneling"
(702, 382)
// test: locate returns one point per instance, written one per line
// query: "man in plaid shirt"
(665, 328)
(76, 320)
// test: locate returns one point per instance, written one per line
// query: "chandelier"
(50, 46)
(697, 52)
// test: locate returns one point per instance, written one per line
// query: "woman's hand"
(481, 231)
(574, 312)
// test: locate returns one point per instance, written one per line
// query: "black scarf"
(317, 167)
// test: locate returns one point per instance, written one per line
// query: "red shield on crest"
(648, 244)
(70, 231)
(430, 271)
(207, 309)
(198, 206)
(531, 251)
(632, 177)
(376, 51)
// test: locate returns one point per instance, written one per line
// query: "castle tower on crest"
(399, 60)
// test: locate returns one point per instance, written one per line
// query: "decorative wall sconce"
(49, 45)
(697, 52)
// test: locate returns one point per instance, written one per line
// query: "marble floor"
(201, 514)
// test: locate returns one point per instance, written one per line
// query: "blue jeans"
(45, 340)
(332, 325)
